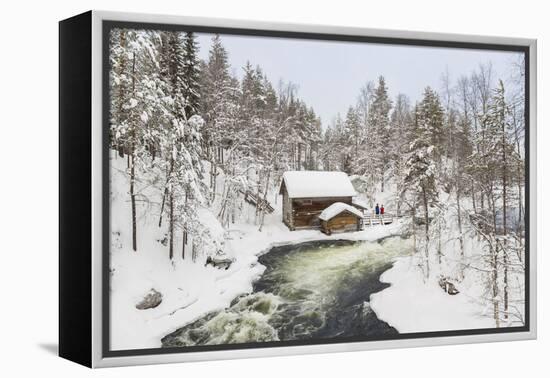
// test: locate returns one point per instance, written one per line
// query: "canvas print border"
(103, 22)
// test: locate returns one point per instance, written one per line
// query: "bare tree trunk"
(184, 234)
(494, 251)
(439, 251)
(316, 158)
(519, 151)
(133, 201)
(294, 157)
(474, 198)
(460, 236)
(398, 208)
(222, 214)
(262, 215)
(162, 205)
(427, 230)
(213, 178)
(257, 212)
(184, 242)
(494, 268)
(299, 156)
(132, 168)
(504, 218)
(233, 203)
(505, 278)
(414, 227)
(520, 205)
(356, 143)
(171, 225)
(168, 174)
(164, 194)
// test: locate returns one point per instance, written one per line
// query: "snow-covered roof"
(336, 208)
(360, 203)
(315, 184)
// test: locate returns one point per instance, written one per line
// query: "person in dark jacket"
(382, 210)
(377, 210)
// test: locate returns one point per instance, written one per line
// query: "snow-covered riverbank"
(412, 304)
(191, 290)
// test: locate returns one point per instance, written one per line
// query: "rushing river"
(317, 289)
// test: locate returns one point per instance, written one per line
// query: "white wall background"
(28, 189)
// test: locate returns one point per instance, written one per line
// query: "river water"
(318, 289)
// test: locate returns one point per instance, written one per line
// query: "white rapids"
(317, 289)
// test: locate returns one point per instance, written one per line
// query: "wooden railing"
(373, 219)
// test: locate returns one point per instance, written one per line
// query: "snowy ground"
(412, 305)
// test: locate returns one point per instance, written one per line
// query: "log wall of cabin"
(306, 211)
(344, 221)
(287, 209)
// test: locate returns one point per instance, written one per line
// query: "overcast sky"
(329, 74)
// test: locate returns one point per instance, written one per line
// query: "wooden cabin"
(340, 217)
(307, 193)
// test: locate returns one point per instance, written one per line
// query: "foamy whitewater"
(318, 289)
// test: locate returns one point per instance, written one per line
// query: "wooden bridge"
(381, 219)
(371, 219)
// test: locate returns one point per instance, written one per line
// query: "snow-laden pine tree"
(431, 117)
(187, 186)
(131, 85)
(334, 152)
(191, 74)
(218, 107)
(402, 125)
(306, 129)
(302, 128)
(351, 139)
(480, 82)
(214, 84)
(119, 86)
(376, 157)
(420, 176)
(179, 144)
(124, 109)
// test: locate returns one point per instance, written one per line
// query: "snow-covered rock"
(151, 300)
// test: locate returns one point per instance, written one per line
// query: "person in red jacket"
(382, 210)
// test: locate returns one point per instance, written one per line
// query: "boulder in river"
(151, 300)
